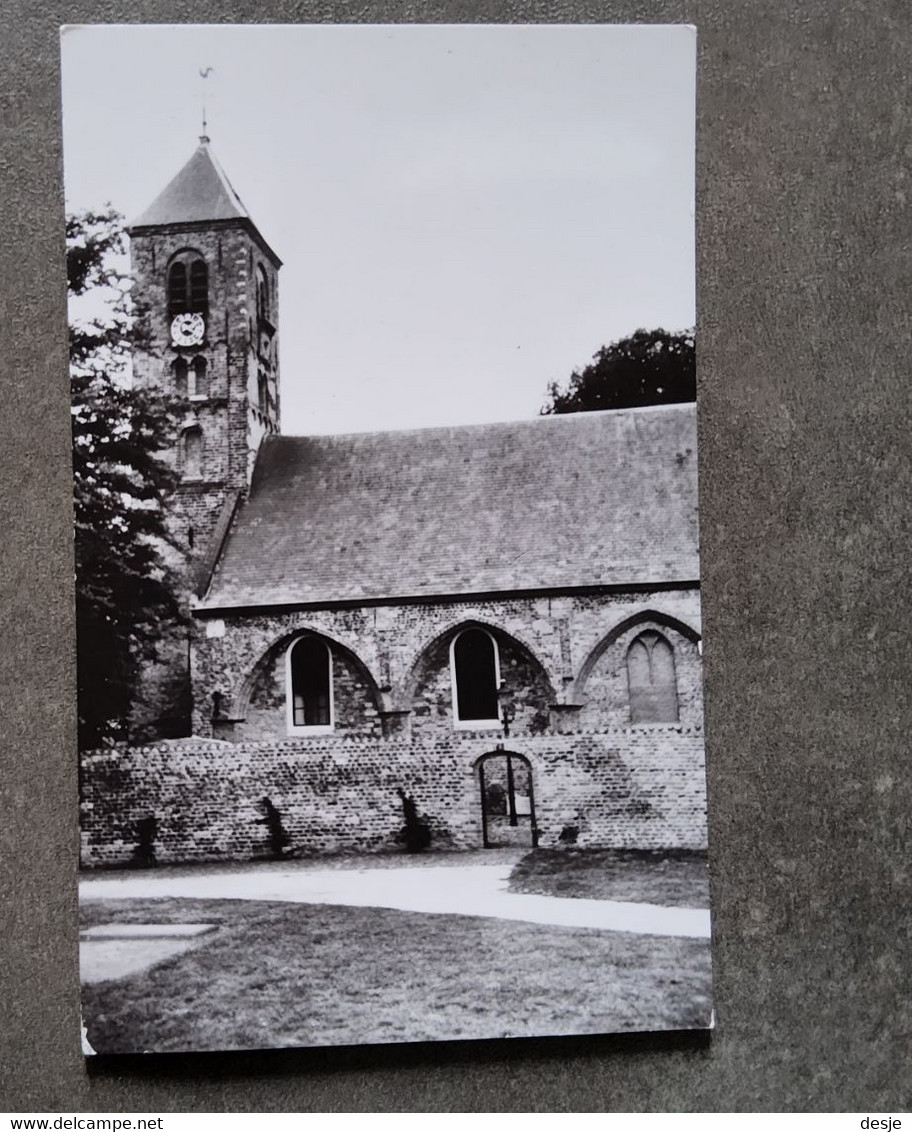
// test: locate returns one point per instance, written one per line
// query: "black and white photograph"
(383, 380)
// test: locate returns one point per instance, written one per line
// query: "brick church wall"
(355, 709)
(598, 781)
(403, 649)
(605, 690)
(521, 676)
(634, 787)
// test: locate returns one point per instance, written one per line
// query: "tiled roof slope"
(582, 499)
(200, 192)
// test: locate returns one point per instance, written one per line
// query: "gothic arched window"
(651, 679)
(192, 453)
(197, 381)
(188, 284)
(309, 680)
(262, 294)
(475, 668)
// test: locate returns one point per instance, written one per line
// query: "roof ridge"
(223, 177)
(633, 410)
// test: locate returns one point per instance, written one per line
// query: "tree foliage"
(126, 593)
(651, 367)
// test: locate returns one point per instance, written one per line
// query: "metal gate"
(507, 800)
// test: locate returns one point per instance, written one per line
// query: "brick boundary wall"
(633, 788)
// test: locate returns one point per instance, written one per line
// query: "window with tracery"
(188, 284)
(651, 679)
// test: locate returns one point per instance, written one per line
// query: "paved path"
(466, 890)
(103, 959)
(113, 951)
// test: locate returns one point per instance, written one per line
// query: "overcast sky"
(465, 213)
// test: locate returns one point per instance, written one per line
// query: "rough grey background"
(804, 340)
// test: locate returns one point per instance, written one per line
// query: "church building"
(479, 636)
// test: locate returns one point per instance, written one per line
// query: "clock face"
(188, 329)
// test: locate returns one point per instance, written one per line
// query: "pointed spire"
(200, 192)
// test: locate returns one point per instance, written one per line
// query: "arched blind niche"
(198, 385)
(179, 371)
(651, 679)
(262, 295)
(192, 453)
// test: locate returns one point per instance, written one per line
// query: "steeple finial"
(204, 73)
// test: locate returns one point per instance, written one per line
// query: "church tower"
(205, 292)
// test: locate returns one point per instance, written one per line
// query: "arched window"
(262, 294)
(177, 288)
(651, 679)
(309, 678)
(192, 453)
(475, 667)
(198, 385)
(188, 284)
(199, 285)
(263, 391)
(179, 376)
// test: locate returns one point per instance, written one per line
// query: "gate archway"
(507, 800)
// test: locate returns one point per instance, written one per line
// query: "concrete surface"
(467, 890)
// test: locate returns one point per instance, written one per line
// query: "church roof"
(583, 499)
(199, 193)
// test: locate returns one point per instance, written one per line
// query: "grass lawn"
(673, 878)
(298, 975)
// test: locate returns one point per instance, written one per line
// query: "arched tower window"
(262, 294)
(198, 383)
(179, 370)
(651, 679)
(199, 285)
(177, 288)
(188, 284)
(263, 391)
(309, 679)
(192, 453)
(475, 669)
